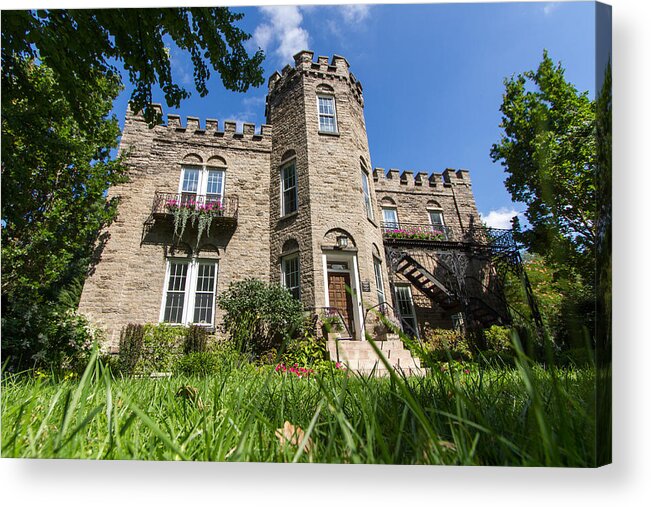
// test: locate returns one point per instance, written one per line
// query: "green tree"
(548, 150)
(77, 44)
(55, 173)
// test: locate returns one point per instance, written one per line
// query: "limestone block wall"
(128, 281)
(412, 194)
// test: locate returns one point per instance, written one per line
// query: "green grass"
(492, 416)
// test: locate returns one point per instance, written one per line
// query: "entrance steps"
(359, 356)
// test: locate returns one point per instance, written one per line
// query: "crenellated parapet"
(210, 128)
(336, 68)
(397, 180)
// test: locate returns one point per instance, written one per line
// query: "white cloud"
(500, 218)
(355, 13)
(550, 7)
(281, 32)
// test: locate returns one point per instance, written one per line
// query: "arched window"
(366, 191)
(435, 213)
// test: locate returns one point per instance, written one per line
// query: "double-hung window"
(327, 114)
(190, 292)
(436, 220)
(367, 195)
(377, 267)
(202, 185)
(288, 190)
(291, 274)
(390, 217)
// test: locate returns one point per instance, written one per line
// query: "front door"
(340, 298)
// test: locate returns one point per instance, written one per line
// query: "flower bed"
(418, 233)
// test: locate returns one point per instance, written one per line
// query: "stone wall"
(128, 282)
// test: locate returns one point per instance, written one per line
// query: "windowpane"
(436, 217)
(367, 195)
(289, 190)
(377, 266)
(327, 116)
(215, 183)
(326, 105)
(291, 275)
(327, 124)
(205, 292)
(390, 217)
(190, 180)
(176, 293)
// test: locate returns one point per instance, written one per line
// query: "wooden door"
(340, 298)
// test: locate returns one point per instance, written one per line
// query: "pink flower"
(466, 371)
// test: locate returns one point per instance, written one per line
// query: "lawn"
(483, 415)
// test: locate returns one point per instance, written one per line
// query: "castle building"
(295, 202)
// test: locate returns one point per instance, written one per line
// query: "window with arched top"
(436, 220)
(366, 191)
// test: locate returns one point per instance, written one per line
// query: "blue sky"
(432, 75)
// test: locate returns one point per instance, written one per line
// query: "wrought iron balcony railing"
(498, 239)
(416, 232)
(220, 207)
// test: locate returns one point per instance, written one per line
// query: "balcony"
(222, 210)
(496, 239)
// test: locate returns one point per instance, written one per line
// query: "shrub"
(306, 351)
(196, 340)
(45, 335)
(441, 344)
(131, 342)
(498, 339)
(260, 315)
(199, 364)
(161, 347)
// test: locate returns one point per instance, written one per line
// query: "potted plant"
(332, 325)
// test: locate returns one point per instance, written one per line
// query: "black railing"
(498, 239)
(166, 204)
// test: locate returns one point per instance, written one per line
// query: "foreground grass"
(494, 416)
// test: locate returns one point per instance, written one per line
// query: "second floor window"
(291, 274)
(202, 185)
(390, 217)
(327, 115)
(436, 219)
(367, 195)
(289, 190)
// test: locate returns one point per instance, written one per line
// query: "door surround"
(352, 269)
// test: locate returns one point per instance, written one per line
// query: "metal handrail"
(418, 232)
(497, 239)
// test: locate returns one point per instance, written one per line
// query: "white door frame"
(353, 270)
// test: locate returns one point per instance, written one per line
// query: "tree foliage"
(55, 173)
(548, 150)
(78, 44)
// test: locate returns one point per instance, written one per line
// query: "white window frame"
(284, 273)
(431, 222)
(379, 283)
(327, 115)
(410, 304)
(286, 165)
(202, 184)
(366, 191)
(189, 299)
(390, 224)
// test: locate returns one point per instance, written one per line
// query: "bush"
(306, 351)
(441, 344)
(131, 342)
(196, 340)
(161, 348)
(45, 335)
(498, 339)
(260, 315)
(198, 364)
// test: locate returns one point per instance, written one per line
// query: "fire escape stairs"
(438, 292)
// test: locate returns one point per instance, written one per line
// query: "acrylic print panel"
(473, 327)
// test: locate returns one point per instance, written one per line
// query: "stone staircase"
(359, 356)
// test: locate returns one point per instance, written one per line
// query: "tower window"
(291, 274)
(327, 114)
(367, 195)
(289, 190)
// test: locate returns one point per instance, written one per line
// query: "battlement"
(396, 180)
(193, 126)
(325, 68)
